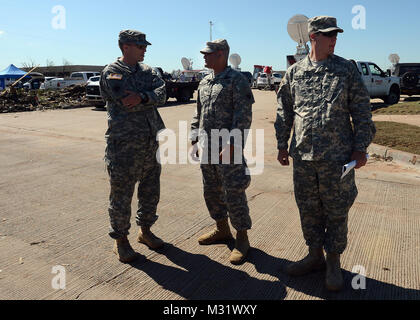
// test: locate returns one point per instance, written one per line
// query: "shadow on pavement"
(197, 277)
(99, 108)
(408, 99)
(313, 284)
(378, 105)
(204, 279)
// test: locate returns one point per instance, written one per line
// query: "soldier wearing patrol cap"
(224, 102)
(317, 97)
(132, 91)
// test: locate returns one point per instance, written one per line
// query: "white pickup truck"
(93, 92)
(75, 79)
(263, 80)
(379, 84)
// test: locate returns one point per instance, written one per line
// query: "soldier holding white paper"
(325, 101)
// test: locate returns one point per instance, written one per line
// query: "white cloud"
(2, 32)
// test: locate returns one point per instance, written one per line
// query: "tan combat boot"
(221, 233)
(240, 251)
(314, 261)
(146, 237)
(334, 277)
(124, 251)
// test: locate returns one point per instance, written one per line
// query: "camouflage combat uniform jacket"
(318, 102)
(141, 120)
(224, 102)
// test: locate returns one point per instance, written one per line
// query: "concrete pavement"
(53, 212)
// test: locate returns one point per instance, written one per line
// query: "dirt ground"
(53, 213)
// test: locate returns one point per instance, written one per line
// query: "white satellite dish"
(186, 63)
(394, 58)
(235, 60)
(297, 28)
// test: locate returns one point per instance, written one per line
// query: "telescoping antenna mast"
(211, 25)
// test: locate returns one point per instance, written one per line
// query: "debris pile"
(20, 100)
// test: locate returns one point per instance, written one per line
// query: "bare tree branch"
(49, 63)
(29, 64)
(66, 62)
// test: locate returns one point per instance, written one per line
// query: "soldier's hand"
(131, 100)
(283, 157)
(360, 158)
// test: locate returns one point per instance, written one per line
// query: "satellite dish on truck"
(297, 27)
(394, 58)
(235, 60)
(186, 63)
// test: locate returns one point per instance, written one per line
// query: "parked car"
(33, 84)
(263, 81)
(276, 77)
(379, 84)
(93, 92)
(410, 77)
(42, 86)
(276, 80)
(75, 79)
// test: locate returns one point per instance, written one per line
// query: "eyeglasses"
(331, 34)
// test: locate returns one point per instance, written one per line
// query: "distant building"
(64, 71)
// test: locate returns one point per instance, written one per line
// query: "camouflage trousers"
(224, 192)
(129, 162)
(324, 201)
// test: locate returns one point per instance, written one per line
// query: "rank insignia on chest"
(115, 76)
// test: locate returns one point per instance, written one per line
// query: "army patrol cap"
(323, 24)
(133, 36)
(213, 46)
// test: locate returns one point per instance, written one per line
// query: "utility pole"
(211, 25)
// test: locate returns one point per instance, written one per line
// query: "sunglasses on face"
(141, 47)
(331, 34)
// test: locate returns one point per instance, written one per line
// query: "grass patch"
(398, 136)
(404, 108)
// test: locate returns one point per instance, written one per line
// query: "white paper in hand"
(349, 166)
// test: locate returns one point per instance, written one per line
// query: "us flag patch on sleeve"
(115, 76)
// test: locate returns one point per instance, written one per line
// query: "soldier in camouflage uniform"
(132, 91)
(317, 97)
(224, 102)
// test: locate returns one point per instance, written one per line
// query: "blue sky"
(256, 30)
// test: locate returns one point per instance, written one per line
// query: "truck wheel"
(184, 96)
(394, 96)
(410, 79)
